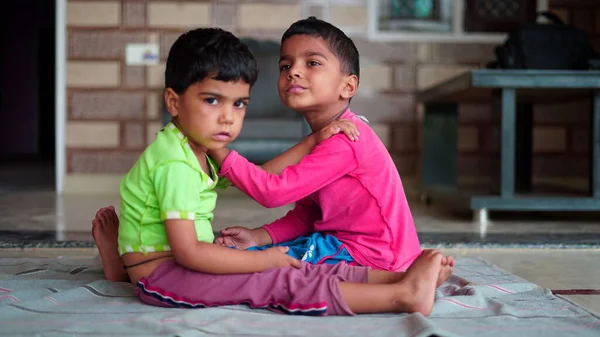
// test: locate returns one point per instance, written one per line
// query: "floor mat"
(53, 239)
(68, 296)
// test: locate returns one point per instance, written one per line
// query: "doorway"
(27, 95)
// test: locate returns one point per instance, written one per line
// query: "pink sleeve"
(330, 160)
(297, 222)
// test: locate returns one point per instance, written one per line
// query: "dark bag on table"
(555, 45)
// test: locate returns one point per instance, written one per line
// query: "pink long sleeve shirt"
(351, 190)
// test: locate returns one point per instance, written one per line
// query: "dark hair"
(339, 43)
(208, 52)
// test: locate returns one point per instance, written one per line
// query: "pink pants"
(311, 290)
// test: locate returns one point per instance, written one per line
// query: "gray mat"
(67, 296)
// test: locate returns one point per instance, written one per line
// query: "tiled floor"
(73, 213)
(31, 216)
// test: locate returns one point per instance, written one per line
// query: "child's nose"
(227, 115)
(295, 72)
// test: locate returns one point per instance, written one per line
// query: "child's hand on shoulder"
(276, 257)
(343, 125)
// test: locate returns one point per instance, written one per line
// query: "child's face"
(210, 113)
(310, 75)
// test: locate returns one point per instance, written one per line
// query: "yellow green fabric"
(166, 182)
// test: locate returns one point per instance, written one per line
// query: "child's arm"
(297, 222)
(214, 259)
(294, 154)
(327, 162)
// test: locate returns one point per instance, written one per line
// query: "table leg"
(595, 146)
(524, 144)
(505, 101)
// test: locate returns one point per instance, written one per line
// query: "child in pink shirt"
(347, 189)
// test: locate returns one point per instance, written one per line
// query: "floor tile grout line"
(575, 291)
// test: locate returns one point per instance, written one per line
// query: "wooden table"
(512, 93)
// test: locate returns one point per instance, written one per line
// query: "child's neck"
(319, 119)
(199, 151)
(201, 155)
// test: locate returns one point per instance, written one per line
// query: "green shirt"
(165, 183)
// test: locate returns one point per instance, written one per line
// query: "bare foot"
(446, 270)
(105, 230)
(417, 288)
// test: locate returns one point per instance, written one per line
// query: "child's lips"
(296, 89)
(222, 136)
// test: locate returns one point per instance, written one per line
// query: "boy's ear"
(172, 102)
(350, 86)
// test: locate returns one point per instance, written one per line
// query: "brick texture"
(382, 130)
(468, 138)
(226, 15)
(404, 138)
(475, 113)
(580, 140)
(477, 165)
(93, 74)
(268, 16)
(375, 77)
(349, 16)
(405, 78)
(155, 76)
(151, 130)
(98, 44)
(386, 52)
(179, 14)
(560, 165)
(134, 136)
(166, 40)
(406, 163)
(154, 105)
(549, 139)
(316, 10)
(134, 77)
(108, 105)
(379, 107)
(99, 135)
(462, 53)
(489, 136)
(431, 75)
(578, 113)
(101, 161)
(93, 13)
(134, 14)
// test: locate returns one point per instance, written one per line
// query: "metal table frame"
(503, 87)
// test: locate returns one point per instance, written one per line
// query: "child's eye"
(211, 101)
(284, 67)
(240, 104)
(313, 63)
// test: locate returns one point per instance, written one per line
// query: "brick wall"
(114, 109)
